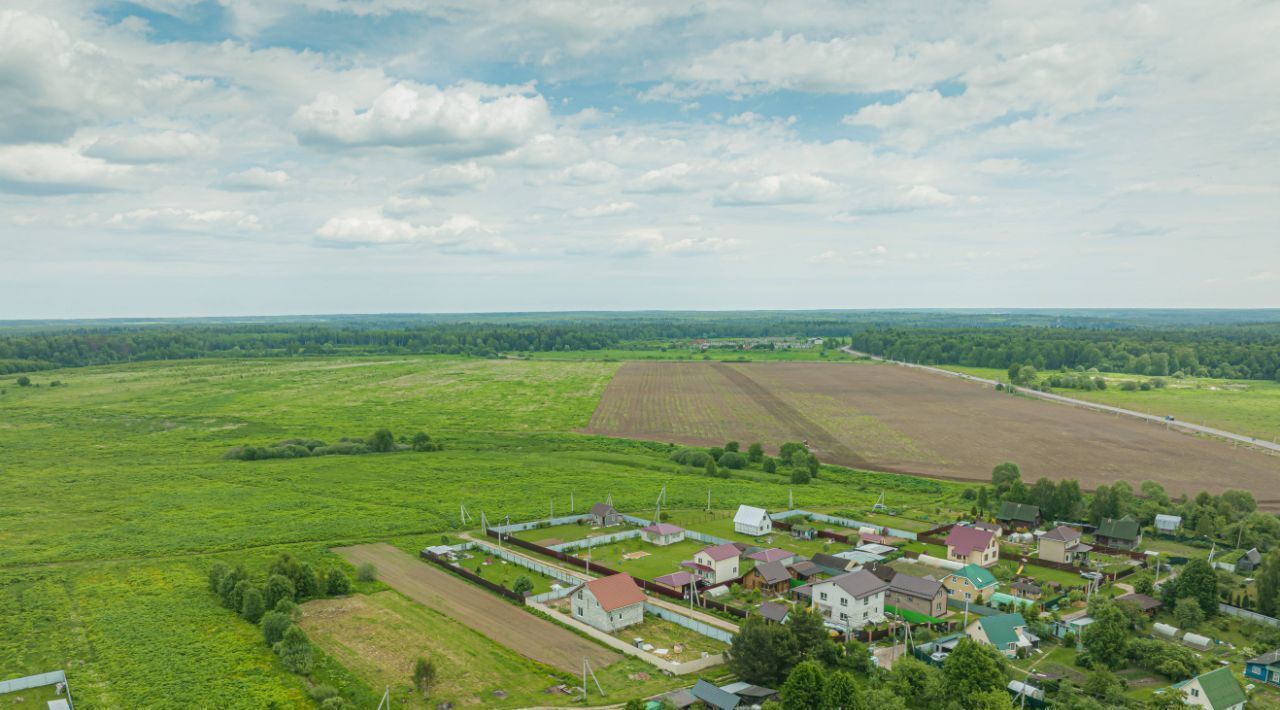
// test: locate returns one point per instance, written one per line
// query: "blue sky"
(170, 157)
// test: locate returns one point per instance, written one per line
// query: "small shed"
(603, 515)
(1168, 524)
(662, 533)
(1249, 561)
(1198, 642)
(752, 521)
(775, 612)
(714, 697)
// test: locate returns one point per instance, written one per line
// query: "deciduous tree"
(803, 689)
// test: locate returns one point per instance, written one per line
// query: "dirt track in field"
(893, 418)
(496, 618)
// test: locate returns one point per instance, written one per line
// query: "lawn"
(568, 532)
(927, 548)
(1172, 548)
(499, 571)
(660, 560)
(1040, 574)
(720, 524)
(664, 634)
(30, 699)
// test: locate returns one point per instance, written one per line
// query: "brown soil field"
(898, 419)
(496, 618)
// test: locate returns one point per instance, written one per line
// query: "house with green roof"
(1218, 690)
(970, 583)
(1014, 517)
(1124, 533)
(1007, 632)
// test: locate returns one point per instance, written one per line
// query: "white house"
(851, 600)
(1218, 690)
(752, 521)
(662, 533)
(609, 603)
(715, 564)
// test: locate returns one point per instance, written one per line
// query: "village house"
(831, 564)
(771, 578)
(1124, 533)
(752, 521)
(1025, 589)
(992, 528)
(1218, 690)
(851, 600)
(972, 546)
(919, 594)
(774, 554)
(609, 603)
(1007, 632)
(1168, 524)
(1018, 517)
(604, 516)
(1143, 603)
(804, 570)
(715, 564)
(970, 583)
(1264, 668)
(1062, 544)
(662, 533)
(775, 612)
(1249, 561)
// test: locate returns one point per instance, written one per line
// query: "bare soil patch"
(496, 618)
(904, 420)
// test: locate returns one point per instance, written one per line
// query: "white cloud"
(370, 227)
(461, 120)
(677, 177)
(606, 210)
(56, 170)
(778, 190)
(590, 172)
(652, 242)
(255, 179)
(169, 219)
(453, 178)
(907, 198)
(163, 147)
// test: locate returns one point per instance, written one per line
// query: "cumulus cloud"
(458, 121)
(606, 210)
(454, 178)
(370, 227)
(652, 242)
(777, 190)
(169, 219)
(906, 198)
(677, 177)
(255, 179)
(589, 172)
(163, 147)
(56, 170)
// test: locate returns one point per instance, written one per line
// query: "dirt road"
(496, 618)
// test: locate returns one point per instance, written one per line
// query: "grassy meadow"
(117, 500)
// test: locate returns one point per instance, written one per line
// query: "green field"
(1250, 407)
(660, 560)
(665, 634)
(117, 499)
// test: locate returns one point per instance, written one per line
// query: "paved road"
(1182, 426)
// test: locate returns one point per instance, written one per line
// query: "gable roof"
(713, 696)
(884, 572)
(1022, 512)
(675, 579)
(663, 529)
(1267, 658)
(1252, 556)
(1001, 629)
(822, 559)
(1163, 520)
(774, 611)
(984, 525)
(1125, 528)
(1062, 533)
(773, 572)
(805, 568)
(1143, 602)
(602, 509)
(1026, 586)
(966, 540)
(859, 584)
(616, 592)
(915, 586)
(773, 554)
(1221, 688)
(979, 577)
(721, 552)
(750, 515)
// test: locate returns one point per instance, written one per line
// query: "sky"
(235, 157)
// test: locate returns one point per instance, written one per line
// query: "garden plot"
(660, 560)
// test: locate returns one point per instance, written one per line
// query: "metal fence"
(472, 576)
(34, 681)
(1248, 615)
(525, 562)
(712, 632)
(595, 541)
(843, 522)
(518, 527)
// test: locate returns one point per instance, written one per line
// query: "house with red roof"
(715, 564)
(609, 603)
(972, 546)
(662, 533)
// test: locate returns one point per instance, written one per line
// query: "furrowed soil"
(903, 420)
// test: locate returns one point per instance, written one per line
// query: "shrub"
(24, 381)
(732, 446)
(216, 573)
(382, 441)
(307, 583)
(336, 583)
(274, 624)
(294, 650)
(770, 465)
(691, 457)
(367, 572)
(755, 452)
(278, 587)
(800, 476)
(732, 459)
(251, 605)
(424, 675)
(523, 585)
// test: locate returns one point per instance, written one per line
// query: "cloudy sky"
(199, 157)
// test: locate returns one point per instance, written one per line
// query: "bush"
(24, 381)
(278, 587)
(770, 465)
(424, 675)
(523, 585)
(800, 476)
(732, 446)
(336, 583)
(422, 442)
(294, 650)
(251, 605)
(274, 624)
(367, 572)
(732, 459)
(216, 573)
(755, 452)
(691, 457)
(382, 441)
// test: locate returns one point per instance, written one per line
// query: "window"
(968, 595)
(578, 611)
(864, 614)
(1195, 692)
(822, 596)
(844, 616)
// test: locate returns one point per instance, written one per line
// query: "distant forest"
(1233, 352)
(1240, 343)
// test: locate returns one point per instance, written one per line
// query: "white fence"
(843, 522)
(35, 681)
(1246, 614)
(694, 625)
(939, 562)
(595, 541)
(525, 562)
(517, 527)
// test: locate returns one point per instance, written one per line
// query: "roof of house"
(747, 690)
(1062, 533)
(713, 696)
(1144, 602)
(721, 552)
(1001, 629)
(912, 585)
(602, 509)
(616, 592)
(1252, 556)
(680, 698)
(773, 554)
(1163, 520)
(675, 579)
(966, 540)
(773, 572)
(859, 584)
(979, 577)
(663, 529)
(805, 568)
(750, 515)
(1266, 659)
(1125, 528)
(876, 549)
(860, 557)
(1025, 586)
(1221, 688)
(984, 525)
(822, 559)
(774, 611)
(1022, 512)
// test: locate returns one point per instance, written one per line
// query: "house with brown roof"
(831, 564)
(1062, 544)
(771, 578)
(603, 515)
(971, 546)
(804, 570)
(609, 603)
(1145, 604)
(662, 533)
(1026, 589)
(715, 564)
(851, 600)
